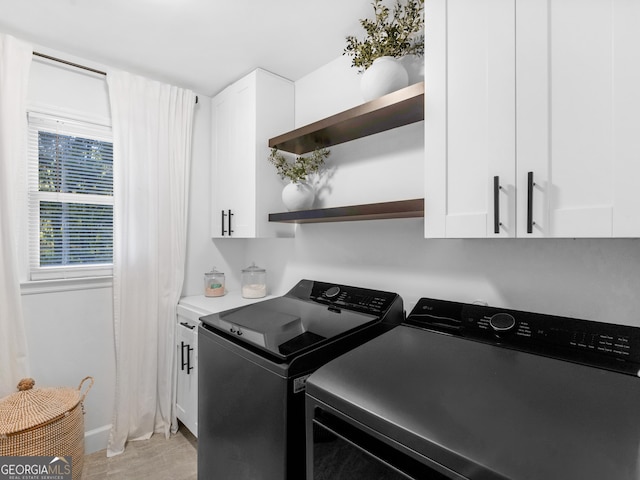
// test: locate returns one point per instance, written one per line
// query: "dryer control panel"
(604, 345)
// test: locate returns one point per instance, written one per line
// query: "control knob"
(332, 292)
(502, 322)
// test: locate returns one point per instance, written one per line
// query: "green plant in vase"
(392, 34)
(298, 194)
(301, 167)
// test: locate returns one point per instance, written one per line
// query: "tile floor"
(157, 458)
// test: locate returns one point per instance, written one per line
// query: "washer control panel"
(358, 299)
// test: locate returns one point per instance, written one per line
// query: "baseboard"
(96, 439)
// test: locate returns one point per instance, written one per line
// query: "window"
(70, 198)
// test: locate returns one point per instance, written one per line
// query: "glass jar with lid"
(213, 283)
(254, 282)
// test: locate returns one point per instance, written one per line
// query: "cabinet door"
(233, 157)
(187, 378)
(245, 186)
(577, 116)
(470, 118)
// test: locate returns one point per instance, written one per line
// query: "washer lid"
(287, 326)
(488, 412)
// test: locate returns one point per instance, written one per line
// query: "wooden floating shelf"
(371, 211)
(396, 109)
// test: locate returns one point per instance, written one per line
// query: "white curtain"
(152, 130)
(15, 61)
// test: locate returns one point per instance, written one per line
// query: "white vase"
(298, 196)
(385, 75)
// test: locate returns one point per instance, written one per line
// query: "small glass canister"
(213, 283)
(254, 282)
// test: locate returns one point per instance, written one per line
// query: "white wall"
(584, 278)
(70, 336)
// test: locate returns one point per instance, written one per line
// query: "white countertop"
(195, 306)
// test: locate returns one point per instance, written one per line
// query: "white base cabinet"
(544, 96)
(244, 186)
(187, 369)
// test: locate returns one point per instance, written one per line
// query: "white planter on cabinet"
(385, 75)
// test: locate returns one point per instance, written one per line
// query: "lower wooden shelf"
(371, 211)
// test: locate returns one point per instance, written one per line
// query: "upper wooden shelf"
(372, 211)
(396, 109)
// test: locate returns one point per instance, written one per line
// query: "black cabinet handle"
(189, 367)
(185, 324)
(186, 363)
(230, 230)
(496, 204)
(530, 185)
(222, 222)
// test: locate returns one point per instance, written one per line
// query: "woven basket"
(44, 422)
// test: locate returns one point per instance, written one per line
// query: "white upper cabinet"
(578, 73)
(245, 186)
(470, 118)
(544, 95)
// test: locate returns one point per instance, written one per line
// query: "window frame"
(62, 124)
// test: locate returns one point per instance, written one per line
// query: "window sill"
(65, 285)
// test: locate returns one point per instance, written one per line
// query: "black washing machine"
(253, 363)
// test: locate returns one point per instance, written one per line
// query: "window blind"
(70, 198)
